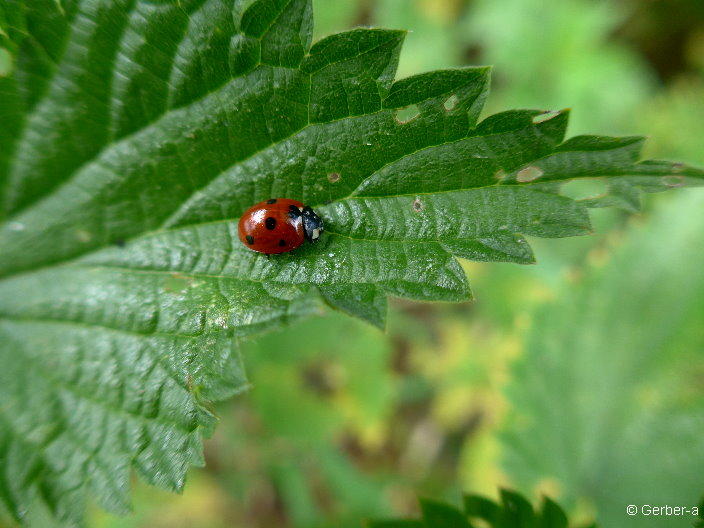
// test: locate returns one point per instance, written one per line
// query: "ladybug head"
(312, 224)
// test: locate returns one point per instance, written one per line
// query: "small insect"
(279, 225)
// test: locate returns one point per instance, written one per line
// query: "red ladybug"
(279, 225)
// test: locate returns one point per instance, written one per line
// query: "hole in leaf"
(451, 102)
(584, 189)
(407, 114)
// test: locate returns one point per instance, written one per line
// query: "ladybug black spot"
(282, 242)
(250, 239)
(270, 223)
(272, 201)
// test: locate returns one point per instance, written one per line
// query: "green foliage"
(606, 400)
(312, 385)
(135, 133)
(334, 17)
(700, 521)
(676, 120)
(432, 41)
(562, 54)
(512, 511)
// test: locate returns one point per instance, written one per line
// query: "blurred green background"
(581, 377)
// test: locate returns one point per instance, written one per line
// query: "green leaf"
(396, 524)
(613, 362)
(479, 507)
(513, 511)
(440, 515)
(365, 301)
(517, 511)
(134, 134)
(300, 375)
(552, 515)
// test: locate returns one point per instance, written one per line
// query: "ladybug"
(279, 225)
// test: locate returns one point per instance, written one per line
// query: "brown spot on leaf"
(529, 174)
(451, 102)
(673, 181)
(407, 114)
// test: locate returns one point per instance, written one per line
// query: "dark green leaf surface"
(133, 136)
(440, 515)
(513, 511)
(366, 301)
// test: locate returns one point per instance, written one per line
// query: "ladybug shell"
(268, 227)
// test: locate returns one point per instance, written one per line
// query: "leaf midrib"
(162, 229)
(76, 261)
